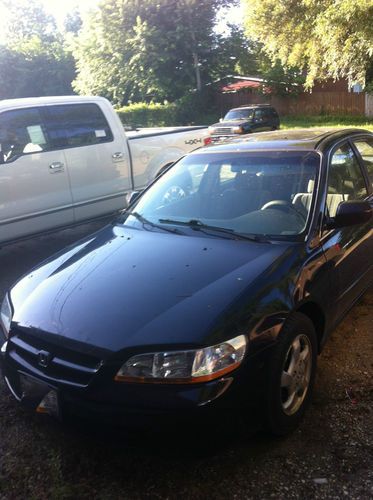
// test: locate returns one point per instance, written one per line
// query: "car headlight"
(185, 367)
(237, 130)
(6, 315)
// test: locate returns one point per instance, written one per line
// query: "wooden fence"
(328, 103)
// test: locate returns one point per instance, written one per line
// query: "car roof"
(297, 139)
(251, 106)
(48, 100)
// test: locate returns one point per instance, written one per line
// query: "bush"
(196, 109)
(142, 114)
(192, 109)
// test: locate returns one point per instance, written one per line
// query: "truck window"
(21, 132)
(75, 125)
(259, 114)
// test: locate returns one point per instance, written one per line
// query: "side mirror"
(132, 197)
(351, 213)
(221, 120)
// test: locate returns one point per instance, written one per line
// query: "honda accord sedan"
(210, 296)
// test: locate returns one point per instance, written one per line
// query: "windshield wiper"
(200, 226)
(144, 221)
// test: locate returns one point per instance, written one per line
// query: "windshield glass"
(253, 193)
(239, 114)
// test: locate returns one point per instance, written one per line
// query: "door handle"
(56, 166)
(117, 156)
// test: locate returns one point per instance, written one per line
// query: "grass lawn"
(344, 121)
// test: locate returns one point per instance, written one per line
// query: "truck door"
(34, 186)
(96, 155)
(260, 121)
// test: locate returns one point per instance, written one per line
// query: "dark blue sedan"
(210, 296)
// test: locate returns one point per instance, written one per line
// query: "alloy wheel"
(296, 374)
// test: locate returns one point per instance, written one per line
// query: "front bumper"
(139, 405)
(221, 138)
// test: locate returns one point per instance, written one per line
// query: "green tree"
(25, 20)
(326, 38)
(73, 22)
(132, 50)
(279, 80)
(234, 54)
(24, 76)
(33, 60)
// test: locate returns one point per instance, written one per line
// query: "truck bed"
(151, 131)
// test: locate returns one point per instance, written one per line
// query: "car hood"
(232, 123)
(123, 288)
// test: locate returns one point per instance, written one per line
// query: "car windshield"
(239, 114)
(242, 193)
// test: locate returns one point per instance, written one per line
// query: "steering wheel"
(173, 193)
(284, 206)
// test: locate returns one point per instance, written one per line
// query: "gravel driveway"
(329, 456)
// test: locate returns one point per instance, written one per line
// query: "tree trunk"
(198, 74)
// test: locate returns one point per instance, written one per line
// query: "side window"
(346, 180)
(259, 114)
(365, 148)
(226, 173)
(74, 125)
(21, 132)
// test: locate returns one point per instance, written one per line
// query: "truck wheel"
(291, 375)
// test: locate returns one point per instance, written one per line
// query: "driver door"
(349, 249)
(35, 193)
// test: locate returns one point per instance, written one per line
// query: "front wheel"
(291, 375)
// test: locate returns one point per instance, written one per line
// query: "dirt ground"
(330, 456)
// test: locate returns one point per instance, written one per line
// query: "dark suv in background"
(245, 120)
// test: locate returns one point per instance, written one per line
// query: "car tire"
(291, 375)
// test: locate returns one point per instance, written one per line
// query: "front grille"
(223, 130)
(61, 364)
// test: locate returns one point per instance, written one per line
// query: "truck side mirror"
(221, 120)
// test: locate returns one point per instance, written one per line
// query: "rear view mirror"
(351, 213)
(221, 120)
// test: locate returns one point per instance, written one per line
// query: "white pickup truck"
(64, 160)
